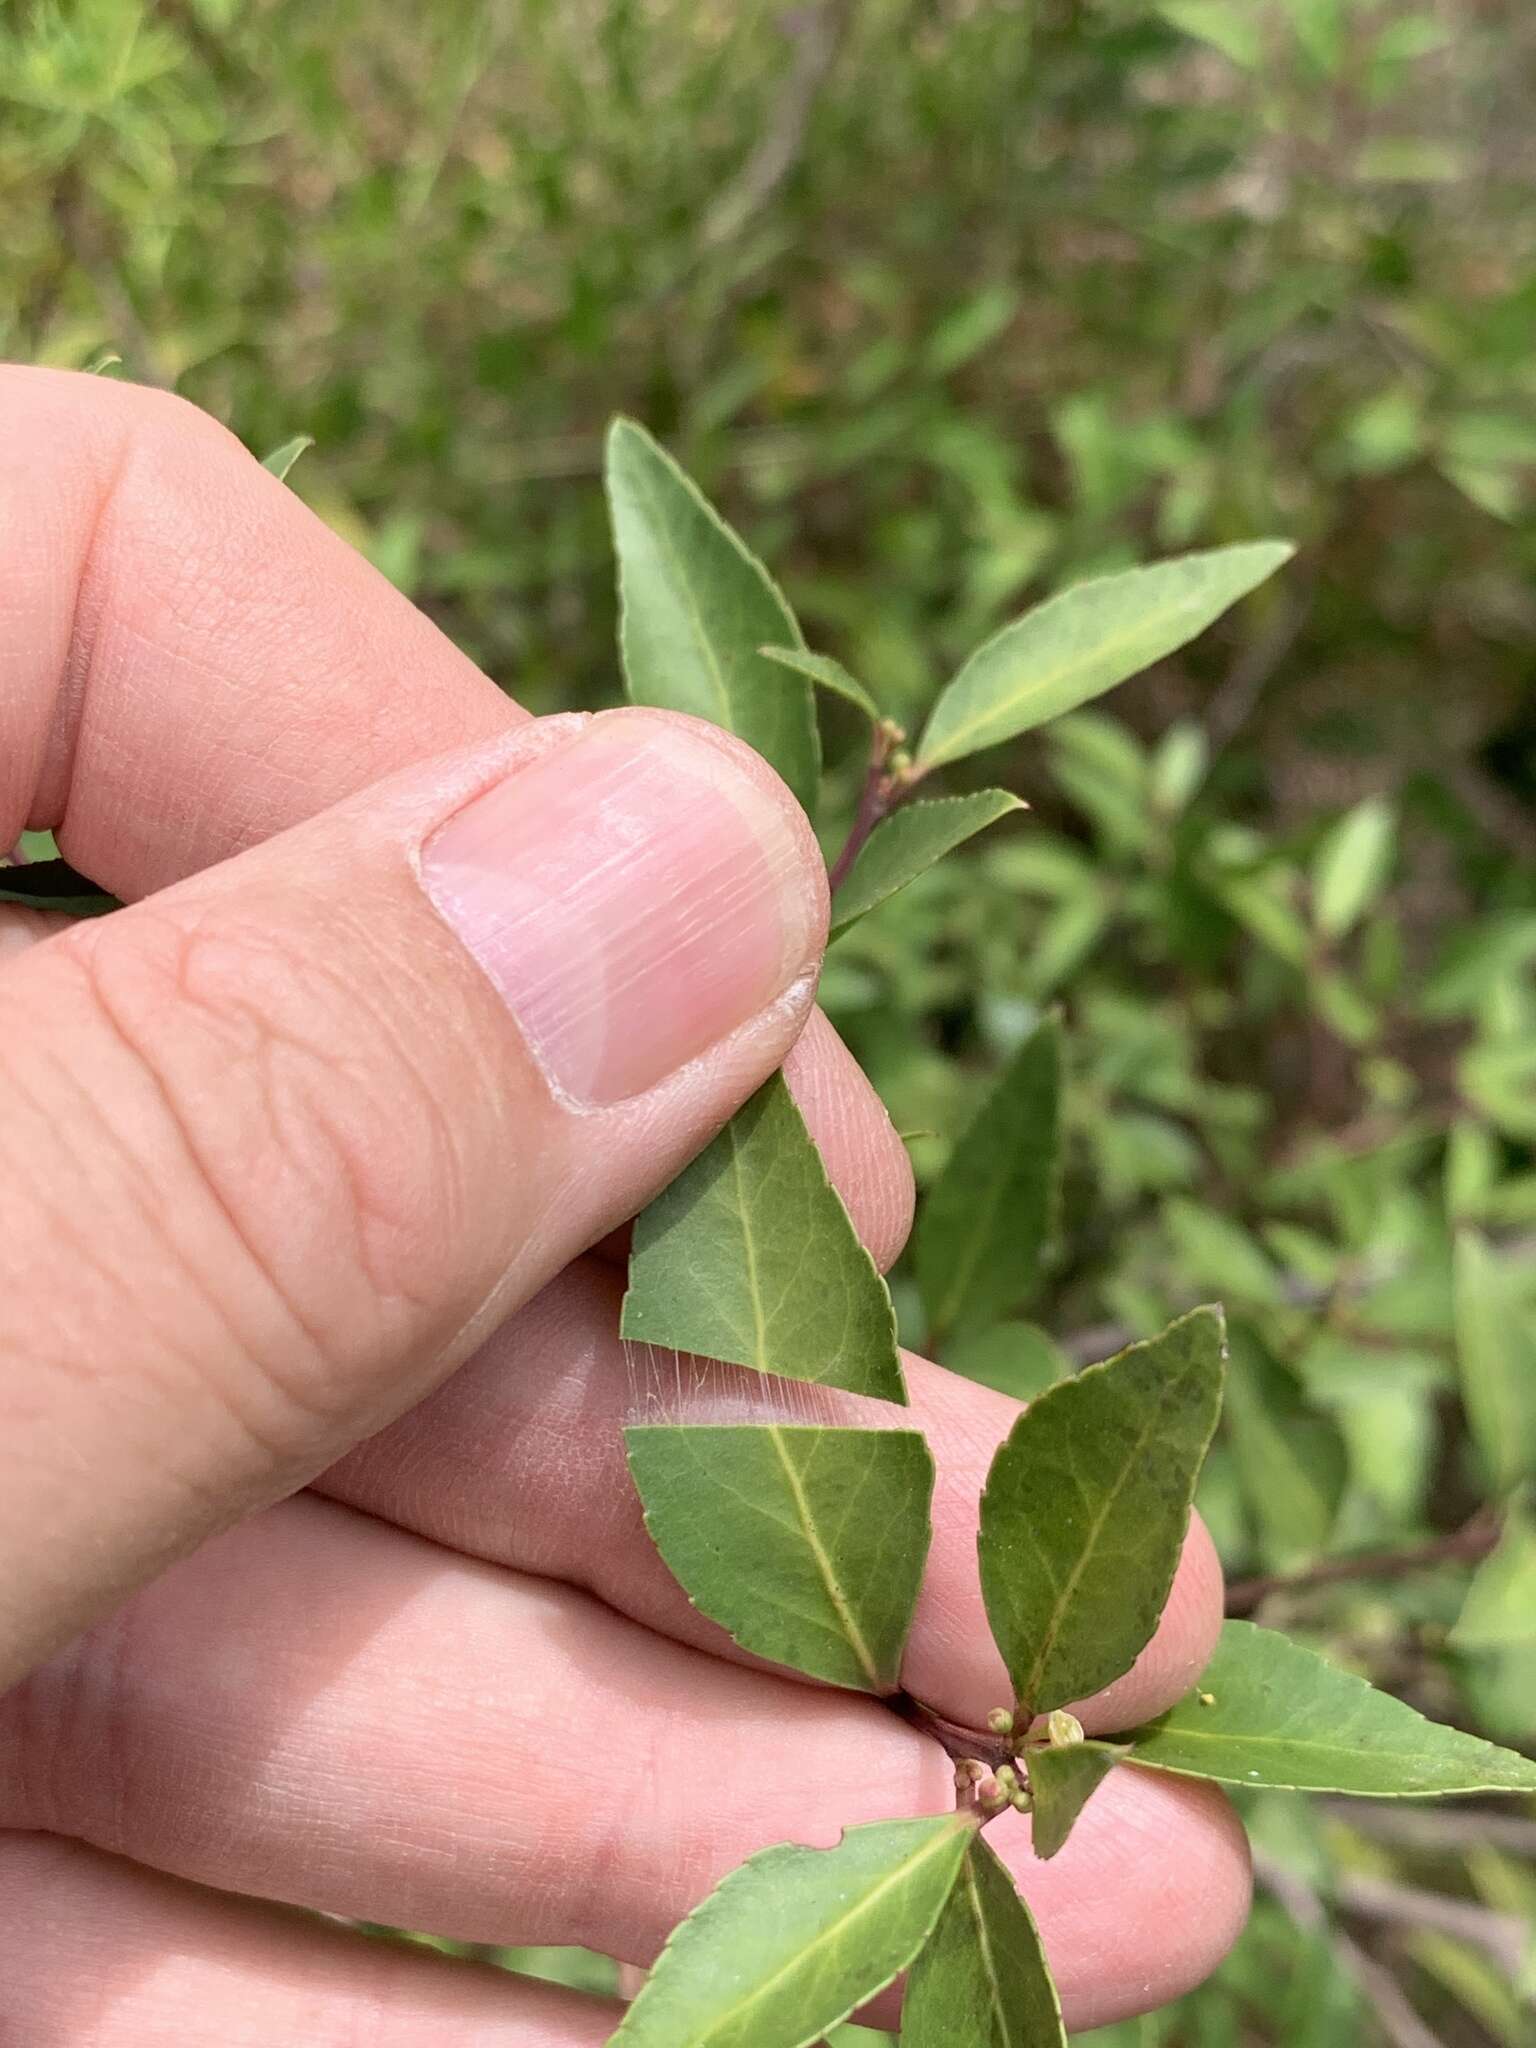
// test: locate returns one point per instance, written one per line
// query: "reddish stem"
(956, 1741)
(883, 791)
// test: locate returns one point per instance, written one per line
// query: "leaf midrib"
(749, 1251)
(1188, 1733)
(824, 1566)
(998, 802)
(691, 609)
(1074, 1576)
(828, 1934)
(984, 1947)
(968, 1259)
(979, 720)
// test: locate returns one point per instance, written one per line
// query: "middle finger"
(320, 1709)
(519, 1459)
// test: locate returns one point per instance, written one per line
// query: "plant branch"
(1103, 1340)
(1448, 1827)
(1467, 1545)
(884, 789)
(1238, 696)
(1399, 2021)
(1500, 1936)
(815, 33)
(960, 1743)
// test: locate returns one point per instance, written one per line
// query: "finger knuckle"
(311, 1174)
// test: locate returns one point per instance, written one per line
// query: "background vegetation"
(948, 301)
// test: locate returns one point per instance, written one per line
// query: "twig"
(1446, 1828)
(817, 33)
(956, 1741)
(1400, 2021)
(1501, 1936)
(1466, 1545)
(1300, 1903)
(885, 789)
(1103, 1340)
(1234, 702)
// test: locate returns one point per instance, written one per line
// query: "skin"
(345, 1603)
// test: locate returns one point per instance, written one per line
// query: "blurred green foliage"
(946, 303)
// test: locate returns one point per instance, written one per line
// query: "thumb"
(280, 1144)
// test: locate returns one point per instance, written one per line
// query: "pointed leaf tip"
(1086, 1508)
(795, 1939)
(1269, 1712)
(1061, 1783)
(282, 459)
(696, 605)
(908, 843)
(830, 674)
(807, 1543)
(749, 1256)
(1087, 639)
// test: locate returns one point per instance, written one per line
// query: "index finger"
(192, 662)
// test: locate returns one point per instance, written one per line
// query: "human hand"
(368, 1628)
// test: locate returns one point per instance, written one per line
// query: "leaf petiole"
(889, 780)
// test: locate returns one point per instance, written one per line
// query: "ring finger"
(321, 1709)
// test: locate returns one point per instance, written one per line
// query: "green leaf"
(1261, 903)
(1494, 488)
(1178, 767)
(1061, 1783)
(967, 330)
(795, 1939)
(1500, 1608)
(1268, 1712)
(1081, 643)
(908, 842)
(1085, 1510)
(806, 1543)
(1499, 1687)
(282, 459)
(1018, 1359)
(1343, 1009)
(1474, 1166)
(1065, 941)
(1213, 1251)
(1496, 1354)
(830, 674)
(1498, 1077)
(1103, 769)
(1227, 25)
(695, 609)
(54, 885)
(1477, 957)
(749, 1256)
(982, 1980)
(985, 1221)
(1352, 866)
(1291, 1458)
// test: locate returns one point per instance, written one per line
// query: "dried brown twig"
(1467, 1545)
